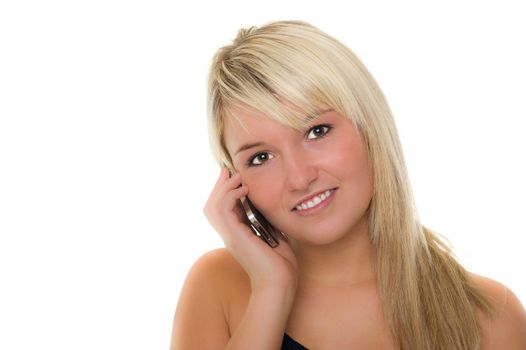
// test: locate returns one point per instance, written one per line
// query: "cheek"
(263, 190)
(347, 159)
(349, 163)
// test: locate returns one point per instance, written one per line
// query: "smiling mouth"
(314, 201)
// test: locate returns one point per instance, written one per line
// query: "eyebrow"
(249, 146)
(309, 118)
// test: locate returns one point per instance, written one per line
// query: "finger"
(223, 185)
(223, 201)
(229, 184)
(223, 174)
(232, 197)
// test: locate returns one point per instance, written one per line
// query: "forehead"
(245, 124)
(286, 115)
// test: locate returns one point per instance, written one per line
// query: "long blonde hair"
(428, 298)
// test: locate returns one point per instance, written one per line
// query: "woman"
(309, 138)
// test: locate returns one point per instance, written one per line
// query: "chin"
(319, 235)
(323, 233)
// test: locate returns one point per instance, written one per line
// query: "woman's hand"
(266, 266)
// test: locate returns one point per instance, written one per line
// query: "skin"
(331, 247)
(247, 294)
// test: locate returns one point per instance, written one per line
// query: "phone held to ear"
(261, 227)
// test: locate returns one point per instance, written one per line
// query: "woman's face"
(285, 169)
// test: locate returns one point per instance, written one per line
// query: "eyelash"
(326, 127)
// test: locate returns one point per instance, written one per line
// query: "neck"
(345, 262)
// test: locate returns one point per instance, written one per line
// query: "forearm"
(263, 324)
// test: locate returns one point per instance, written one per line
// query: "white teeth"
(314, 201)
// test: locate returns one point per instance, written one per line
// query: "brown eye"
(259, 159)
(318, 131)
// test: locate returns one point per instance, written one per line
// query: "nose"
(300, 172)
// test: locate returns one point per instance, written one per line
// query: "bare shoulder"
(507, 329)
(202, 314)
(222, 272)
(217, 263)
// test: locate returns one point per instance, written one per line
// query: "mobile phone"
(260, 226)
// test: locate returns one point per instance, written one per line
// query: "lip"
(319, 207)
(310, 196)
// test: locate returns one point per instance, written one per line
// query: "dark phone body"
(261, 227)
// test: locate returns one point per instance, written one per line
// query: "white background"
(105, 166)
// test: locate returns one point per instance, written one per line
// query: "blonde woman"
(310, 140)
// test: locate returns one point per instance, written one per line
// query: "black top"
(291, 344)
